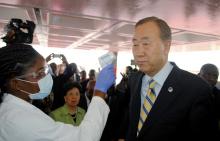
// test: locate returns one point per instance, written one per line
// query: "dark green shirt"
(62, 114)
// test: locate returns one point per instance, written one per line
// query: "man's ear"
(64, 98)
(167, 44)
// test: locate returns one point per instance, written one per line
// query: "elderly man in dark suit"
(210, 73)
(166, 103)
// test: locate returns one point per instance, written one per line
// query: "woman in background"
(70, 112)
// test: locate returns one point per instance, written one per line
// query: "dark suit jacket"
(183, 113)
(216, 96)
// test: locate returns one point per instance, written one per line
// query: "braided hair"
(15, 60)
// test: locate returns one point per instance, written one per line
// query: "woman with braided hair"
(24, 77)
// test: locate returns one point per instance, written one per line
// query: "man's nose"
(139, 50)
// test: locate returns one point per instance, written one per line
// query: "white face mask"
(45, 84)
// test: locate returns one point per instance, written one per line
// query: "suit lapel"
(135, 102)
(166, 96)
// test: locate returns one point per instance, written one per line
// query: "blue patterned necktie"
(147, 105)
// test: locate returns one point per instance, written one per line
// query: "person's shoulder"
(216, 90)
(189, 75)
(136, 75)
(58, 110)
(81, 110)
(84, 82)
(134, 79)
(192, 79)
(190, 85)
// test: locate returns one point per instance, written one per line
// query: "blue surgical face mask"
(45, 84)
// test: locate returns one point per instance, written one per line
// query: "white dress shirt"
(21, 121)
(160, 78)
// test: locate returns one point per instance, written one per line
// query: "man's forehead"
(146, 30)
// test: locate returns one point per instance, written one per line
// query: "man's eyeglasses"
(36, 75)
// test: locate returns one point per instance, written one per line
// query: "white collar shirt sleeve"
(22, 121)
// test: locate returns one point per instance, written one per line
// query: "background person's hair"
(71, 69)
(15, 60)
(206, 68)
(92, 73)
(165, 31)
(70, 85)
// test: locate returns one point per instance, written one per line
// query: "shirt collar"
(66, 111)
(162, 75)
(9, 97)
(17, 101)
